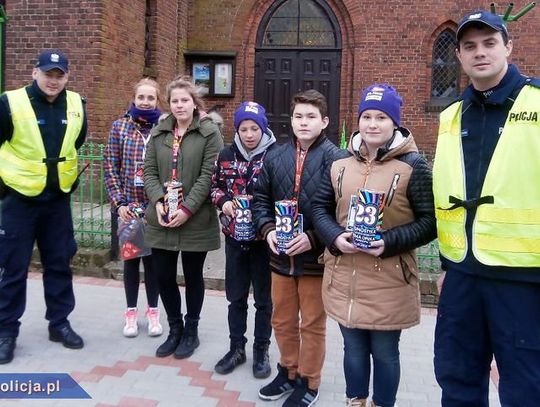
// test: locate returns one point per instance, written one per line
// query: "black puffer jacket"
(276, 183)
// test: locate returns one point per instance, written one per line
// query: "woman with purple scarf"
(124, 159)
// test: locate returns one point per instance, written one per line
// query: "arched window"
(444, 68)
(298, 48)
(299, 24)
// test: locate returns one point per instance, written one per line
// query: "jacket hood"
(206, 126)
(216, 118)
(401, 142)
(267, 140)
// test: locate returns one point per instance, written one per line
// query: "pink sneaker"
(154, 327)
(131, 328)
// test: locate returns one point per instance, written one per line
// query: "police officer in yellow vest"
(41, 128)
(486, 181)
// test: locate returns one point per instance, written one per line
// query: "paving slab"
(119, 371)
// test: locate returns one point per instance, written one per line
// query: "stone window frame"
(443, 45)
(304, 24)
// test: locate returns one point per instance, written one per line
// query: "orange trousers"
(299, 323)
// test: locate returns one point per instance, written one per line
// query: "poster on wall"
(201, 76)
(223, 79)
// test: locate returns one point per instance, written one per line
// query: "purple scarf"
(146, 117)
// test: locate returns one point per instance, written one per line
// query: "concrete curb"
(97, 263)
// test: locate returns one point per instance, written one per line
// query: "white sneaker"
(356, 402)
(154, 327)
(131, 329)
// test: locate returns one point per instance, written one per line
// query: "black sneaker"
(302, 396)
(171, 343)
(187, 346)
(261, 361)
(233, 358)
(279, 387)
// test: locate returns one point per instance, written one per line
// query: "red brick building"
(257, 49)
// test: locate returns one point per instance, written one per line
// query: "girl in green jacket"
(177, 175)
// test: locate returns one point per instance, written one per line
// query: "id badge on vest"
(139, 174)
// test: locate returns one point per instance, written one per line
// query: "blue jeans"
(383, 347)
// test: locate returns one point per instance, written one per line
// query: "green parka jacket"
(198, 152)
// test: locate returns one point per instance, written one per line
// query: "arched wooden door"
(298, 48)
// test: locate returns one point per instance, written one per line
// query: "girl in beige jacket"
(373, 293)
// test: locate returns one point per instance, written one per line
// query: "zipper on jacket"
(339, 181)
(392, 190)
(403, 271)
(333, 270)
(480, 158)
(350, 310)
(367, 173)
(351, 292)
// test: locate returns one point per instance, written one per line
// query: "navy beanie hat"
(384, 98)
(251, 111)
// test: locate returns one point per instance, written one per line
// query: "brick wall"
(33, 26)
(389, 44)
(105, 42)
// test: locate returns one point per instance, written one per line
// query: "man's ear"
(509, 47)
(325, 120)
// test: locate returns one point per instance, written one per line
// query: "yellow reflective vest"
(23, 165)
(507, 231)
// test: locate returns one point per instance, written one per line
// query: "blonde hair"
(149, 82)
(184, 82)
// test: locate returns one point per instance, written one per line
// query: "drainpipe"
(3, 19)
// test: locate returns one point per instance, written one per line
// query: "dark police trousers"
(247, 264)
(481, 318)
(25, 221)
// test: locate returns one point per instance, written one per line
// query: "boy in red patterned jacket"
(246, 258)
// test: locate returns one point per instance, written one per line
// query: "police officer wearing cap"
(41, 128)
(487, 203)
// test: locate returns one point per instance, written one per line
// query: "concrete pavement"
(118, 371)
